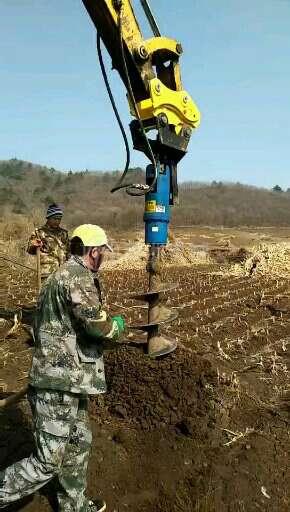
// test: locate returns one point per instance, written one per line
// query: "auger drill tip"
(157, 345)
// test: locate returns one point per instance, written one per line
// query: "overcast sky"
(236, 65)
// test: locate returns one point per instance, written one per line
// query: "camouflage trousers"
(62, 446)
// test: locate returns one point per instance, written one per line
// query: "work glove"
(120, 321)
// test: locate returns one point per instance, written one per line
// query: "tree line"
(86, 197)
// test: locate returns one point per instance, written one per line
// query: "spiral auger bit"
(158, 314)
(161, 180)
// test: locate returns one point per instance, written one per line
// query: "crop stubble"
(207, 428)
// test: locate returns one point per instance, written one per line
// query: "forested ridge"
(86, 197)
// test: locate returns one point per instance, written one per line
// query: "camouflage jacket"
(55, 248)
(71, 329)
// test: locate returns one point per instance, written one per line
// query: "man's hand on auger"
(120, 322)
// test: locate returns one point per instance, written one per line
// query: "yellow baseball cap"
(92, 236)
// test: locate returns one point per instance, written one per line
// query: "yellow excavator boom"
(152, 66)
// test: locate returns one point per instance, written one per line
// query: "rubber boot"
(97, 505)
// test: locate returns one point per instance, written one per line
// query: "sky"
(54, 108)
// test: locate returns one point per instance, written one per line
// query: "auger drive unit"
(150, 71)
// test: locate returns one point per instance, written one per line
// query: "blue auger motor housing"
(157, 205)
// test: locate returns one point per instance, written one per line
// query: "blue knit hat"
(54, 210)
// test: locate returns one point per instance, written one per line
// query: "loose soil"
(205, 429)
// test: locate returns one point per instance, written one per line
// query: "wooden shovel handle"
(38, 269)
(12, 399)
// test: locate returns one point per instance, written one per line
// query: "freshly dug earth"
(183, 253)
(267, 259)
(205, 429)
(159, 415)
(177, 390)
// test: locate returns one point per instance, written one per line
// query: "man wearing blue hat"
(52, 240)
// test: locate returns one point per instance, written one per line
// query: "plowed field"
(205, 429)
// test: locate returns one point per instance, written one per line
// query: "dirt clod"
(173, 387)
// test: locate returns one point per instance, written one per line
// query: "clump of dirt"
(158, 419)
(266, 259)
(134, 257)
(228, 253)
(183, 254)
(174, 392)
(175, 252)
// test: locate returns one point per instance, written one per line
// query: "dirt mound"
(157, 420)
(271, 259)
(229, 254)
(176, 391)
(183, 254)
(173, 253)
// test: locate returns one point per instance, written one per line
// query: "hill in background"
(86, 197)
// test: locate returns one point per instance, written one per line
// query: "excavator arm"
(111, 19)
(150, 71)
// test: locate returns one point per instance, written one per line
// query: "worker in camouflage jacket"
(52, 240)
(72, 329)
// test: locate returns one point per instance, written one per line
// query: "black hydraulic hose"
(119, 185)
(116, 112)
(150, 18)
(134, 190)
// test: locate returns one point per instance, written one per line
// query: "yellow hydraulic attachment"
(177, 106)
(152, 65)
